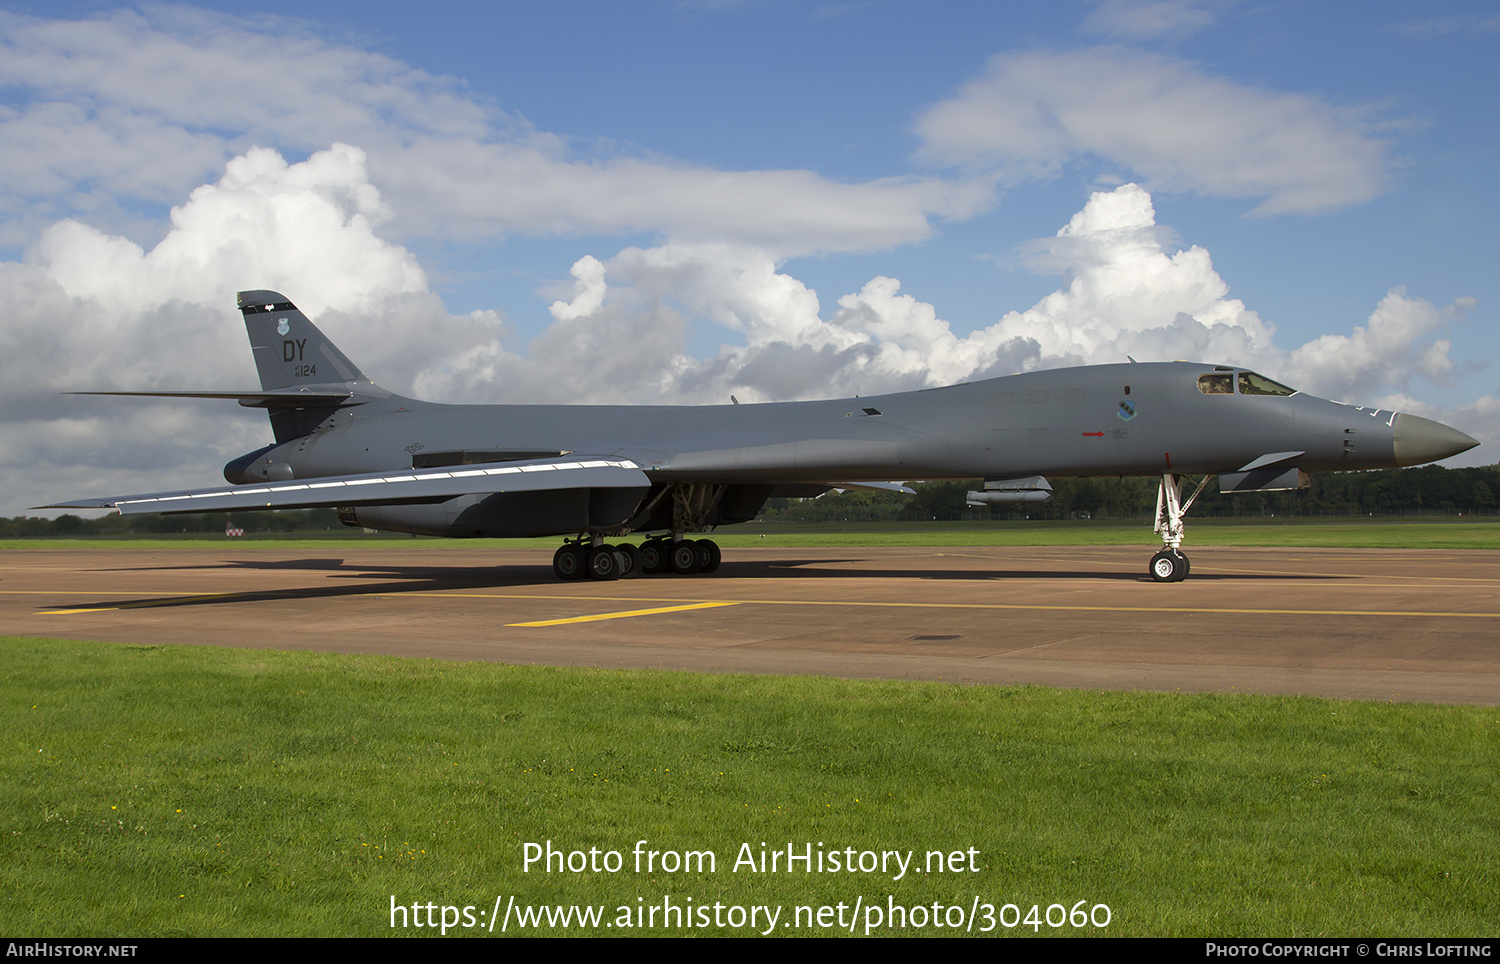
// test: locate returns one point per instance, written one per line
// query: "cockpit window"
(1216, 384)
(1253, 384)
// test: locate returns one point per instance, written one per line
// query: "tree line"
(114, 524)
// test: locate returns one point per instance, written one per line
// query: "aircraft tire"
(709, 555)
(567, 563)
(1168, 566)
(685, 559)
(656, 556)
(633, 563)
(604, 563)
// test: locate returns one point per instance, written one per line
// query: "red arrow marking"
(1094, 434)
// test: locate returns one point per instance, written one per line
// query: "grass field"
(209, 791)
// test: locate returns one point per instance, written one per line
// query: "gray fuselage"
(1109, 420)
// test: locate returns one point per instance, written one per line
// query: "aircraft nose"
(1417, 440)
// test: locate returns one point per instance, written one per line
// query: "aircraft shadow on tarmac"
(823, 567)
(296, 564)
(428, 579)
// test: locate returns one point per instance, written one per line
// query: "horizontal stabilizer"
(383, 488)
(290, 398)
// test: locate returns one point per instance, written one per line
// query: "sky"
(675, 201)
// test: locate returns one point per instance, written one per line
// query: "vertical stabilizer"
(290, 351)
(293, 356)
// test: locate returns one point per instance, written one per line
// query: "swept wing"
(384, 488)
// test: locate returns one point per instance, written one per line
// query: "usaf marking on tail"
(595, 472)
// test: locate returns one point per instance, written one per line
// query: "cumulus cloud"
(91, 310)
(310, 225)
(143, 106)
(1125, 293)
(1389, 351)
(1173, 124)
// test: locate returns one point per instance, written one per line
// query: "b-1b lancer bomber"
(593, 473)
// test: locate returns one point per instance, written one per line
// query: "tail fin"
(290, 351)
(303, 376)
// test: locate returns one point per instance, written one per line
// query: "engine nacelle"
(262, 465)
(545, 512)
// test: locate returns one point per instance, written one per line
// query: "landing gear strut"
(1170, 564)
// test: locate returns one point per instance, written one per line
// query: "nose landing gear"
(1170, 564)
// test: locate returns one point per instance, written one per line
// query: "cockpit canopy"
(1221, 381)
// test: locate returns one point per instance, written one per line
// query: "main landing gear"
(577, 559)
(1170, 564)
(695, 508)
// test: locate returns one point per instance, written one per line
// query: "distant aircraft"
(595, 472)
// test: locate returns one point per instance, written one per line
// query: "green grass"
(1316, 532)
(206, 791)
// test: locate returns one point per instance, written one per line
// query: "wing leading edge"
(384, 488)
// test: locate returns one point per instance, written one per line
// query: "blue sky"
(673, 201)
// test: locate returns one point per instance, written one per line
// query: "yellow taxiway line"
(600, 617)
